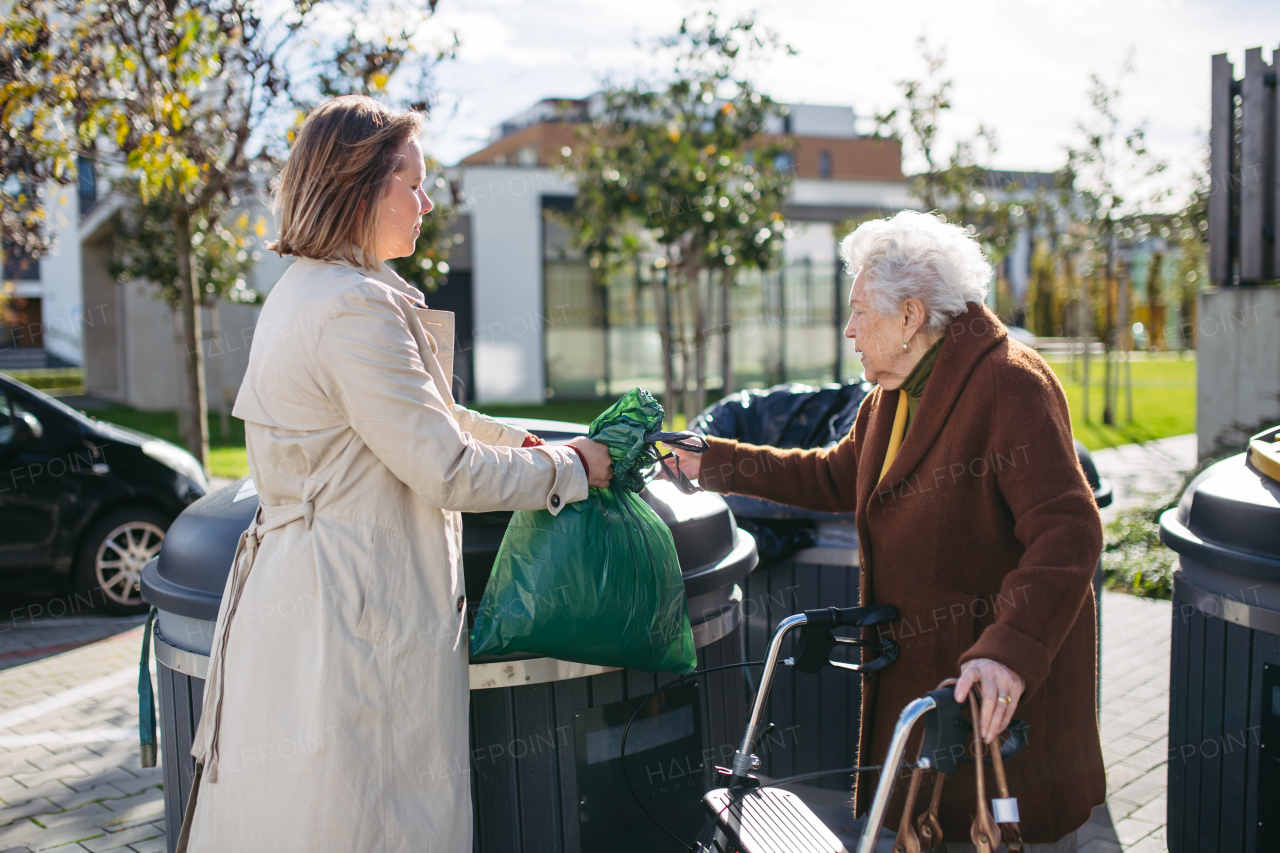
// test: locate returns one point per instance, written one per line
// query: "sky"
(1020, 66)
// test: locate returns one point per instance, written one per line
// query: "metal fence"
(785, 326)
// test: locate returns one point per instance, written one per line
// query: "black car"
(84, 503)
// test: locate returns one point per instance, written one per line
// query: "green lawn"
(1164, 404)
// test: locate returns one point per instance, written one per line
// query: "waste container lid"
(189, 576)
(1229, 518)
(191, 571)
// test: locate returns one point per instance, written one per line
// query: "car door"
(29, 490)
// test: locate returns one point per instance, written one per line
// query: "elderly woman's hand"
(998, 683)
(690, 462)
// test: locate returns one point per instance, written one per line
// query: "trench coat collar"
(387, 276)
(969, 337)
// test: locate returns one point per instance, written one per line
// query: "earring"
(904, 345)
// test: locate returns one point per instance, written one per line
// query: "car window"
(6, 420)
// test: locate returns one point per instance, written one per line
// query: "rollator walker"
(750, 818)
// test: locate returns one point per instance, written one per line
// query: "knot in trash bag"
(623, 428)
(788, 415)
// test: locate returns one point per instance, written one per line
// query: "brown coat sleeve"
(1055, 520)
(822, 480)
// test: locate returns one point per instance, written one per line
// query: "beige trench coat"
(335, 714)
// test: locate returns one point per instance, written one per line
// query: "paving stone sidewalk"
(1135, 726)
(70, 777)
(1140, 473)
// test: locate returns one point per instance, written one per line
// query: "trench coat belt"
(268, 518)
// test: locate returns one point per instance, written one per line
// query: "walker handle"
(851, 617)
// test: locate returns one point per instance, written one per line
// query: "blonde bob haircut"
(326, 204)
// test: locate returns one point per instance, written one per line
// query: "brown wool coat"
(985, 535)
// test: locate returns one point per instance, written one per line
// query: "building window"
(784, 162)
(87, 179)
(824, 164)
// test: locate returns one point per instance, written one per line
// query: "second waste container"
(545, 734)
(1224, 689)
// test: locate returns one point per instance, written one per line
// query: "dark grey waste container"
(1224, 691)
(816, 717)
(545, 733)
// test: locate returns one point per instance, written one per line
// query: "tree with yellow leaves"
(180, 98)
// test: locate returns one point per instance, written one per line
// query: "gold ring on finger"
(1004, 698)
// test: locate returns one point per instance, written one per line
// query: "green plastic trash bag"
(600, 582)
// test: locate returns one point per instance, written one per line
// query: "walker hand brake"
(813, 649)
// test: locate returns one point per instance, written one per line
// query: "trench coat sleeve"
(486, 429)
(372, 370)
(825, 480)
(1055, 520)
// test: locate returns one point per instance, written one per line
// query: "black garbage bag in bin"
(791, 415)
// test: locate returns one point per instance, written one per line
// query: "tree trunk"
(219, 374)
(608, 348)
(837, 369)
(1108, 410)
(180, 366)
(726, 332)
(1086, 338)
(682, 342)
(662, 313)
(701, 297)
(782, 324)
(197, 437)
(1071, 317)
(1155, 309)
(1124, 280)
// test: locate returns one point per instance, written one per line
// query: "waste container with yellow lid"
(1224, 693)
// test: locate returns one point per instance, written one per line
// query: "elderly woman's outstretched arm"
(825, 480)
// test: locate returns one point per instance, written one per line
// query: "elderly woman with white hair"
(974, 519)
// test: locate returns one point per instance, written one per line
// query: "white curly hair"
(918, 255)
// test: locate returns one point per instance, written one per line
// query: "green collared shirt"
(913, 387)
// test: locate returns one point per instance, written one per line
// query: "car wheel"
(113, 553)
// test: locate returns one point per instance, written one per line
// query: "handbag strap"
(907, 840)
(927, 823)
(1012, 828)
(984, 832)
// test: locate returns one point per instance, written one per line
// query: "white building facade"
(530, 326)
